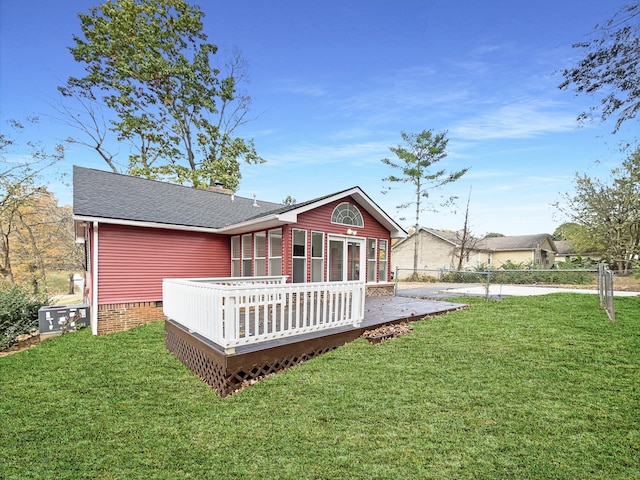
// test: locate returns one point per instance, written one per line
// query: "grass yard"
(527, 388)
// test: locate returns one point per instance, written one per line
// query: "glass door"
(353, 260)
(345, 258)
(336, 260)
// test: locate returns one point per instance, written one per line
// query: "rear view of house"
(137, 232)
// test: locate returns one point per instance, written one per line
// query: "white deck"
(235, 312)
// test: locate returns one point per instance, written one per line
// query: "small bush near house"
(18, 312)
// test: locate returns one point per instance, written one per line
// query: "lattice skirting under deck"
(227, 374)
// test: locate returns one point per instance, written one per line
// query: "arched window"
(347, 214)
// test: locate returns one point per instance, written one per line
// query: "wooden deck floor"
(381, 310)
(378, 311)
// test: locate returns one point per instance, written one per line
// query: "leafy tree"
(44, 240)
(415, 160)
(149, 63)
(20, 177)
(609, 67)
(579, 238)
(610, 212)
(289, 200)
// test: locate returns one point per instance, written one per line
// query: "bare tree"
(466, 240)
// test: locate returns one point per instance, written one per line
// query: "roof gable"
(449, 237)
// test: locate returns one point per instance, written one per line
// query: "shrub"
(18, 312)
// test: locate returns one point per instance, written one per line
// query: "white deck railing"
(246, 310)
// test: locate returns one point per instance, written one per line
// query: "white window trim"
(294, 256)
(351, 206)
(322, 257)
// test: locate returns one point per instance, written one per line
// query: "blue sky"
(334, 83)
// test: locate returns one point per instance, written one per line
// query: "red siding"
(134, 260)
(319, 220)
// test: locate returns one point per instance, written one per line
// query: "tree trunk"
(416, 240)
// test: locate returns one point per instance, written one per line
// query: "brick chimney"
(219, 188)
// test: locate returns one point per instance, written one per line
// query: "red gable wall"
(319, 220)
(134, 260)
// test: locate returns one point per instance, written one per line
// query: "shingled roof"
(117, 198)
(108, 195)
(447, 236)
(514, 242)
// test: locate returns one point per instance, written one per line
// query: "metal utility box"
(60, 318)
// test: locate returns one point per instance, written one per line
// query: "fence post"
(488, 285)
(395, 283)
(601, 283)
(610, 308)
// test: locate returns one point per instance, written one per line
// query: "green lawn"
(539, 387)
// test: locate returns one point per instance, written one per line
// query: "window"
(371, 260)
(347, 214)
(383, 261)
(275, 252)
(247, 255)
(235, 257)
(299, 256)
(317, 256)
(259, 255)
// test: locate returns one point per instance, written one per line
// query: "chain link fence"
(602, 279)
(605, 288)
(574, 278)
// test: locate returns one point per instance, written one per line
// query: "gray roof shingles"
(100, 194)
(514, 242)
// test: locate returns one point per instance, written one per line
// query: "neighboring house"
(440, 250)
(531, 250)
(437, 251)
(137, 232)
(566, 252)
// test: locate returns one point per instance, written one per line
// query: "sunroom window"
(275, 252)
(347, 214)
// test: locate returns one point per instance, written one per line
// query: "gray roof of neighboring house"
(451, 237)
(564, 247)
(111, 195)
(514, 242)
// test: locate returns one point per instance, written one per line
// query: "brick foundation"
(124, 316)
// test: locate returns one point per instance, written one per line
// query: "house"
(537, 250)
(440, 250)
(437, 250)
(138, 232)
(566, 252)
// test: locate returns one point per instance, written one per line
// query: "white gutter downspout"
(94, 281)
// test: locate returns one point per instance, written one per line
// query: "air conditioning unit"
(58, 319)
